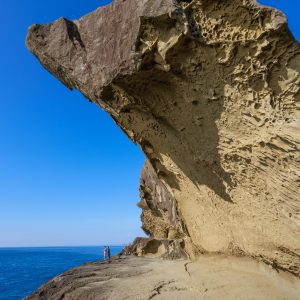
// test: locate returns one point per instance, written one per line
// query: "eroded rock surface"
(210, 91)
(138, 278)
(160, 218)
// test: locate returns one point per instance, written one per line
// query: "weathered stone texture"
(160, 218)
(210, 91)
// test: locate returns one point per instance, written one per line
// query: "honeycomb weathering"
(210, 91)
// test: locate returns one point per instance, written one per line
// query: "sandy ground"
(211, 277)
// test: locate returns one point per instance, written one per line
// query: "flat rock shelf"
(210, 277)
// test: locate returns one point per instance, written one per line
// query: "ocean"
(23, 270)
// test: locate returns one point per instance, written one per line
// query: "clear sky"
(68, 174)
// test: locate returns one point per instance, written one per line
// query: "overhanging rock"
(210, 91)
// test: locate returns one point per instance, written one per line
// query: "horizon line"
(66, 246)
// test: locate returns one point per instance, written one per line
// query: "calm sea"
(23, 270)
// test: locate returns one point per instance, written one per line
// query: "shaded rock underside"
(210, 91)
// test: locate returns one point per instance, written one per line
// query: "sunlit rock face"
(210, 91)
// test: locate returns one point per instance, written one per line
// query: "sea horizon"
(65, 246)
(25, 269)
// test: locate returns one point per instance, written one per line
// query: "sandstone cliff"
(210, 91)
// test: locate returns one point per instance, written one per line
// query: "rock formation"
(210, 277)
(210, 91)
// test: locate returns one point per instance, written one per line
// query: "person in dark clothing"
(108, 252)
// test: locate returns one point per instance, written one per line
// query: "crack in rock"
(186, 269)
(157, 290)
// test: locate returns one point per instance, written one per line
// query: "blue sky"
(68, 174)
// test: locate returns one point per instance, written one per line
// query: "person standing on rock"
(104, 252)
(108, 253)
